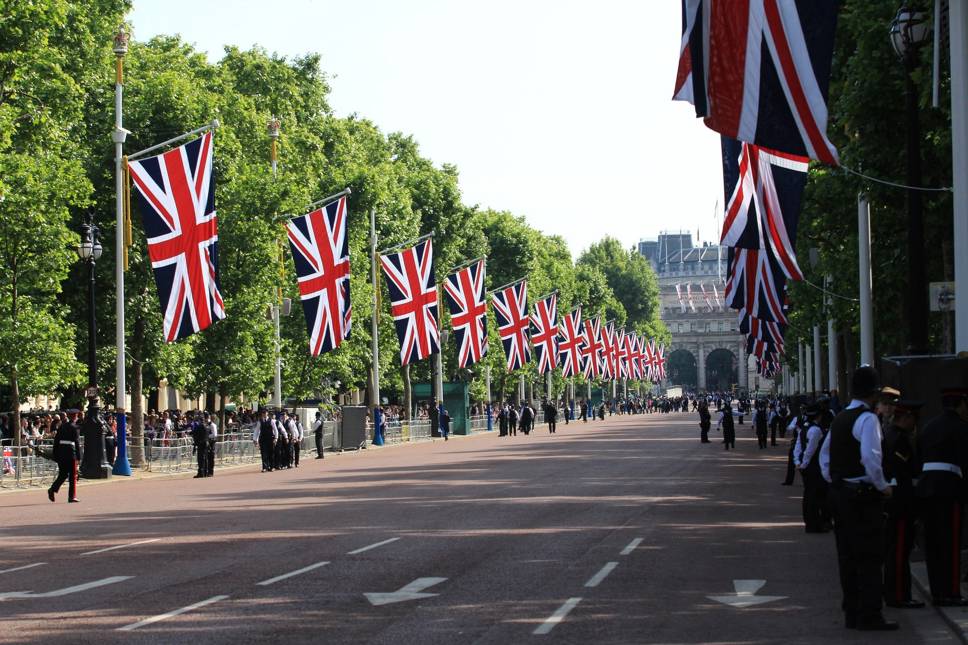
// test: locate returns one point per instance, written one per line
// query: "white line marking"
(170, 614)
(66, 590)
(373, 546)
(633, 545)
(596, 579)
(266, 583)
(26, 566)
(557, 617)
(121, 546)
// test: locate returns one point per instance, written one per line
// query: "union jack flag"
(763, 193)
(649, 360)
(635, 357)
(544, 333)
(591, 347)
(705, 296)
(609, 369)
(176, 198)
(321, 254)
(511, 309)
(622, 353)
(627, 354)
(769, 331)
(660, 363)
(753, 286)
(682, 303)
(569, 343)
(758, 71)
(413, 300)
(464, 291)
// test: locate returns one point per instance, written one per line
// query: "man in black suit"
(67, 452)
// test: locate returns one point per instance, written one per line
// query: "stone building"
(707, 348)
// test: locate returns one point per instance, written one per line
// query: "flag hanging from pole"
(608, 351)
(660, 364)
(176, 198)
(464, 291)
(544, 333)
(635, 357)
(321, 255)
(409, 276)
(569, 343)
(591, 348)
(511, 310)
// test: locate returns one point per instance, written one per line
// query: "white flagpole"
(122, 466)
(958, 24)
(273, 129)
(375, 330)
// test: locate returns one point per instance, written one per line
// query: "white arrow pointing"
(745, 595)
(411, 591)
(66, 590)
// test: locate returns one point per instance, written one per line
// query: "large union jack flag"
(633, 357)
(176, 198)
(321, 254)
(660, 363)
(544, 333)
(511, 309)
(608, 351)
(754, 285)
(569, 343)
(758, 70)
(648, 359)
(464, 291)
(592, 347)
(413, 300)
(624, 352)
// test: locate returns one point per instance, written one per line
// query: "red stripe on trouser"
(956, 549)
(73, 488)
(899, 563)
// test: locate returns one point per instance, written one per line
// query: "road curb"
(955, 617)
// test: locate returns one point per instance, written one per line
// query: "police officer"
(850, 459)
(212, 438)
(726, 423)
(901, 467)
(67, 452)
(551, 416)
(943, 446)
(761, 424)
(704, 421)
(318, 434)
(200, 439)
(814, 485)
(265, 437)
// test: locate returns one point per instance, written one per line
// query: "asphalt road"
(614, 532)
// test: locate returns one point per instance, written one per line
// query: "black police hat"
(865, 382)
(813, 410)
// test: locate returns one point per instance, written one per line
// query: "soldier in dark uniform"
(200, 440)
(729, 430)
(551, 416)
(901, 467)
(67, 452)
(943, 448)
(704, 421)
(760, 424)
(850, 459)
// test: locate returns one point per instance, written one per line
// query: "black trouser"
(729, 438)
(859, 530)
(551, 427)
(773, 434)
(761, 438)
(210, 463)
(704, 431)
(66, 470)
(815, 515)
(791, 470)
(319, 443)
(942, 538)
(265, 450)
(201, 453)
(897, 563)
(295, 453)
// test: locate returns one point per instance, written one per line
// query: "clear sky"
(558, 110)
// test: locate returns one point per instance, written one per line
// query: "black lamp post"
(909, 30)
(93, 465)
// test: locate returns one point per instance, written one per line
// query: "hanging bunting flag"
(544, 332)
(176, 198)
(591, 348)
(511, 309)
(321, 254)
(569, 343)
(410, 280)
(682, 302)
(464, 291)
(692, 305)
(759, 71)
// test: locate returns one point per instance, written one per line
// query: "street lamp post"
(909, 30)
(94, 465)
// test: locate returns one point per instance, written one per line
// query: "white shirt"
(212, 431)
(866, 430)
(258, 430)
(797, 446)
(722, 415)
(813, 442)
(317, 424)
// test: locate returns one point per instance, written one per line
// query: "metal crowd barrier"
(22, 468)
(477, 423)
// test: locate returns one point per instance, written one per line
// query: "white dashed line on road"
(633, 545)
(291, 574)
(170, 614)
(122, 546)
(596, 579)
(372, 546)
(557, 617)
(26, 566)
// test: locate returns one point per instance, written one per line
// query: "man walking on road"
(726, 423)
(67, 452)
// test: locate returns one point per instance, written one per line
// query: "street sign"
(91, 392)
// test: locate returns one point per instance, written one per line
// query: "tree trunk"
(136, 450)
(210, 401)
(407, 392)
(221, 408)
(15, 402)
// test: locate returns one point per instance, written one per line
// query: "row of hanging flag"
(758, 73)
(710, 297)
(176, 198)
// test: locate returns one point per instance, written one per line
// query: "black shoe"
(197, 476)
(50, 495)
(318, 457)
(73, 500)
(906, 604)
(877, 624)
(954, 601)
(786, 483)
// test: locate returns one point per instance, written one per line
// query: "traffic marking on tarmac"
(411, 591)
(632, 546)
(26, 566)
(266, 583)
(596, 579)
(557, 617)
(745, 595)
(372, 546)
(121, 546)
(170, 614)
(66, 590)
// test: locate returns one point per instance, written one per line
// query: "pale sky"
(558, 110)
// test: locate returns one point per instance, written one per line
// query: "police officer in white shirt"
(318, 434)
(815, 518)
(212, 429)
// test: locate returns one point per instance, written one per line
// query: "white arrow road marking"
(26, 566)
(170, 614)
(372, 546)
(121, 546)
(745, 595)
(633, 545)
(596, 579)
(411, 591)
(66, 590)
(557, 617)
(266, 583)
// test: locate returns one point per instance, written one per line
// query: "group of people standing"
(278, 437)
